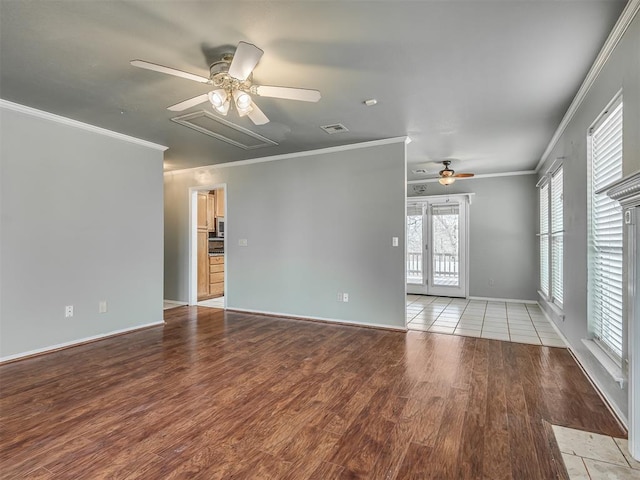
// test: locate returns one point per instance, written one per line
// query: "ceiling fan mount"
(447, 175)
(219, 74)
(221, 67)
(220, 79)
(446, 171)
(232, 79)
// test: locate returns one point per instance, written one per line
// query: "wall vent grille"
(335, 128)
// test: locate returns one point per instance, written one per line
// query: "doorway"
(437, 246)
(207, 246)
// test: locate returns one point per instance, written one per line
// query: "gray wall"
(502, 234)
(81, 217)
(316, 225)
(621, 71)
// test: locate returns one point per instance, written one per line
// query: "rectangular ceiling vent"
(335, 128)
(216, 127)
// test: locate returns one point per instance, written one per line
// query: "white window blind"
(448, 209)
(606, 236)
(544, 239)
(557, 237)
(414, 209)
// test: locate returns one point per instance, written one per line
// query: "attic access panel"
(216, 127)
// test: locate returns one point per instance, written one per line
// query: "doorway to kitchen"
(207, 252)
(437, 245)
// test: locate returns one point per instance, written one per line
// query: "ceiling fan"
(232, 81)
(446, 176)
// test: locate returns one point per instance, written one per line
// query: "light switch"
(243, 242)
(394, 241)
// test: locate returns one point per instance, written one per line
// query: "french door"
(437, 246)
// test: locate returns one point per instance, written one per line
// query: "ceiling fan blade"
(192, 102)
(257, 116)
(170, 71)
(302, 94)
(464, 175)
(244, 60)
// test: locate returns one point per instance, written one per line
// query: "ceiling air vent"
(216, 127)
(335, 128)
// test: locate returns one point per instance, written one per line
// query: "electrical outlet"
(345, 297)
(339, 297)
(102, 306)
(68, 311)
(394, 241)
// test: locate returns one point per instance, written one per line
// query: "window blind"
(414, 209)
(447, 209)
(606, 236)
(544, 239)
(557, 237)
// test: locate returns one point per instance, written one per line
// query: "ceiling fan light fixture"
(218, 98)
(242, 101)
(446, 180)
(223, 109)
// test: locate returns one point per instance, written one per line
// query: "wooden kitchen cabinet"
(216, 275)
(220, 202)
(211, 211)
(202, 211)
(203, 264)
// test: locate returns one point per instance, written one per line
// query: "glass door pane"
(445, 251)
(414, 249)
(437, 247)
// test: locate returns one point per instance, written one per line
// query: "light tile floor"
(510, 321)
(590, 456)
(212, 303)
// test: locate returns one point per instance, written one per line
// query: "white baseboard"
(75, 343)
(511, 300)
(320, 319)
(553, 324)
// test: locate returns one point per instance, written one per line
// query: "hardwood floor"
(226, 395)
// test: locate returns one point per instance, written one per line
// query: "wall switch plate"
(340, 296)
(492, 282)
(68, 311)
(345, 297)
(394, 241)
(102, 306)
(243, 242)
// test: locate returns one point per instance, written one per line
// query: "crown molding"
(610, 44)
(482, 175)
(306, 153)
(625, 191)
(16, 107)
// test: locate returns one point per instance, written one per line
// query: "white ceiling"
(485, 83)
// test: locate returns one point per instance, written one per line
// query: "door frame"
(193, 240)
(465, 200)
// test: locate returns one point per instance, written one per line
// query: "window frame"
(556, 236)
(547, 235)
(595, 197)
(543, 244)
